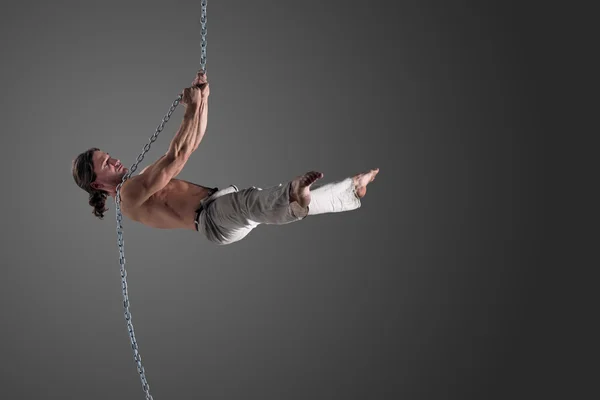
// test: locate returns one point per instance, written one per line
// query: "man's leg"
(234, 215)
(231, 217)
(339, 196)
(295, 200)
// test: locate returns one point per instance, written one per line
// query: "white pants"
(231, 214)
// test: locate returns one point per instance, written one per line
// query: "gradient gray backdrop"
(423, 293)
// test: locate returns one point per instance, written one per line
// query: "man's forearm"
(184, 141)
(202, 122)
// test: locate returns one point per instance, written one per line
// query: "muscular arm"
(202, 123)
(192, 129)
(157, 175)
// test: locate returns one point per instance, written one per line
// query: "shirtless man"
(157, 199)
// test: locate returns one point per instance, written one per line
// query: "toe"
(312, 176)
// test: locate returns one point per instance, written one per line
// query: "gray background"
(425, 292)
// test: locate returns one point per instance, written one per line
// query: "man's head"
(99, 174)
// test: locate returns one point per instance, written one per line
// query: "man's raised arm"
(201, 81)
(195, 120)
(157, 175)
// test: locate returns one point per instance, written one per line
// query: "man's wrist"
(192, 110)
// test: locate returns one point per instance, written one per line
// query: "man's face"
(109, 171)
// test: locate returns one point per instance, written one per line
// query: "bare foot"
(300, 188)
(362, 180)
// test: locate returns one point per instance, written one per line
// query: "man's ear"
(96, 186)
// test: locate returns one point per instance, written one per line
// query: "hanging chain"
(203, 35)
(136, 354)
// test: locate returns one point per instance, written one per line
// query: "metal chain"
(203, 35)
(136, 354)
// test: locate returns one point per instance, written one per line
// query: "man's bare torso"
(173, 207)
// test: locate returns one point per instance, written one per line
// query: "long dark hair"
(83, 174)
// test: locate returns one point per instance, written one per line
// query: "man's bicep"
(157, 175)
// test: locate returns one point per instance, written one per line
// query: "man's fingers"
(200, 77)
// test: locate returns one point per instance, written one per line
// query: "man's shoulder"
(130, 191)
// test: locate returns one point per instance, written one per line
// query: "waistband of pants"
(229, 189)
(201, 208)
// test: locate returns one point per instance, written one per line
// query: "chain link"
(134, 345)
(203, 35)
